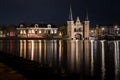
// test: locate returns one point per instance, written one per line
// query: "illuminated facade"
(37, 31)
(108, 30)
(77, 30)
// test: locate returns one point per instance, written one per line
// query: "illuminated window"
(36, 25)
(44, 31)
(40, 31)
(21, 32)
(29, 31)
(11, 33)
(103, 29)
(24, 32)
(115, 27)
(33, 31)
(1, 32)
(51, 31)
(55, 31)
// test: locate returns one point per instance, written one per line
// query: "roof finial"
(86, 16)
(70, 13)
(87, 19)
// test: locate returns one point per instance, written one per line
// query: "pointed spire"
(78, 19)
(70, 13)
(87, 19)
(86, 16)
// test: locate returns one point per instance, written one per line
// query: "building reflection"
(92, 58)
(40, 51)
(60, 52)
(44, 48)
(36, 49)
(88, 57)
(103, 60)
(21, 43)
(49, 52)
(1, 45)
(116, 59)
(75, 55)
(55, 49)
(11, 46)
(86, 48)
(29, 48)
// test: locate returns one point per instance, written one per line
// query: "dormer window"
(21, 25)
(36, 25)
(48, 26)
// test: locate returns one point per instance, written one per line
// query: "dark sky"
(56, 11)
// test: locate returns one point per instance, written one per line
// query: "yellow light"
(60, 34)
(103, 28)
(24, 32)
(21, 32)
(40, 31)
(33, 31)
(92, 31)
(55, 31)
(51, 31)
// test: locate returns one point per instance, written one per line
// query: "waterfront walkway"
(17, 68)
(6, 73)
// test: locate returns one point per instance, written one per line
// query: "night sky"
(57, 11)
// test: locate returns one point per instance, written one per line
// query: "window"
(40, 31)
(55, 31)
(36, 25)
(49, 26)
(51, 31)
(24, 32)
(75, 30)
(33, 31)
(21, 32)
(29, 31)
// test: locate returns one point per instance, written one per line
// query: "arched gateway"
(78, 36)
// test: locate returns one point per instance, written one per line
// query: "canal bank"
(30, 70)
(7, 73)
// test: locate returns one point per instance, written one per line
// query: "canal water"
(89, 58)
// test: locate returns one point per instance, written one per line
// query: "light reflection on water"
(87, 58)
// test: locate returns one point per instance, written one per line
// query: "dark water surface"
(88, 58)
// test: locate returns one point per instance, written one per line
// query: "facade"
(107, 30)
(37, 31)
(8, 31)
(2, 32)
(11, 31)
(77, 30)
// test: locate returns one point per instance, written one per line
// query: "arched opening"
(78, 36)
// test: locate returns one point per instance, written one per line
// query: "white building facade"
(37, 31)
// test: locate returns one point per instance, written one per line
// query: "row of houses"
(101, 31)
(28, 31)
